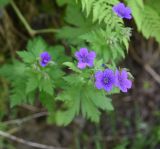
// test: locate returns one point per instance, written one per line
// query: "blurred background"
(135, 122)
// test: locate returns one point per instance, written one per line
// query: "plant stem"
(31, 31)
(48, 30)
(25, 142)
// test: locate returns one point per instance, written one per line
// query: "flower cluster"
(107, 79)
(122, 11)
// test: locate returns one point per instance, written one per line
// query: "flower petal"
(124, 73)
(128, 84)
(99, 75)
(99, 84)
(108, 88)
(122, 11)
(43, 64)
(92, 55)
(90, 64)
(83, 51)
(81, 65)
(77, 55)
(123, 89)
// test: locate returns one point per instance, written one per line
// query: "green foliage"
(147, 17)
(108, 44)
(18, 90)
(98, 26)
(80, 96)
(72, 66)
(64, 93)
(101, 11)
(4, 3)
(122, 145)
(77, 24)
(27, 78)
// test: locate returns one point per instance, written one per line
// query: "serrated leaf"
(63, 118)
(36, 46)
(102, 102)
(27, 57)
(72, 66)
(46, 85)
(58, 54)
(18, 95)
(99, 98)
(77, 28)
(74, 80)
(47, 101)
(89, 110)
(32, 84)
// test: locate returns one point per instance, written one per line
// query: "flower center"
(105, 80)
(84, 59)
(45, 59)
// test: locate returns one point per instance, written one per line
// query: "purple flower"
(105, 80)
(122, 11)
(45, 58)
(85, 58)
(122, 80)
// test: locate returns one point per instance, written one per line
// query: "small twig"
(154, 74)
(29, 143)
(30, 108)
(147, 67)
(31, 31)
(25, 119)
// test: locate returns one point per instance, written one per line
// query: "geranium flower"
(105, 80)
(45, 58)
(122, 81)
(85, 58)
(122, 11)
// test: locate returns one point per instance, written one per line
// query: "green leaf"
(72, 102)
(27, 57)
(78, 25)
(89, 110)
(32, 84)
(99, 98)
(46, 85)
(64, 118)
(102, 102)
(18, 95)
(74, 80)
(72, 66)
(3, 3)
(47, 101)
(147, 17)
(84, 98)
(58, 54)
(6, 71)
(36, 46)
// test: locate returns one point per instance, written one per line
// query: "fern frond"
(101, 11)
(147, 17)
